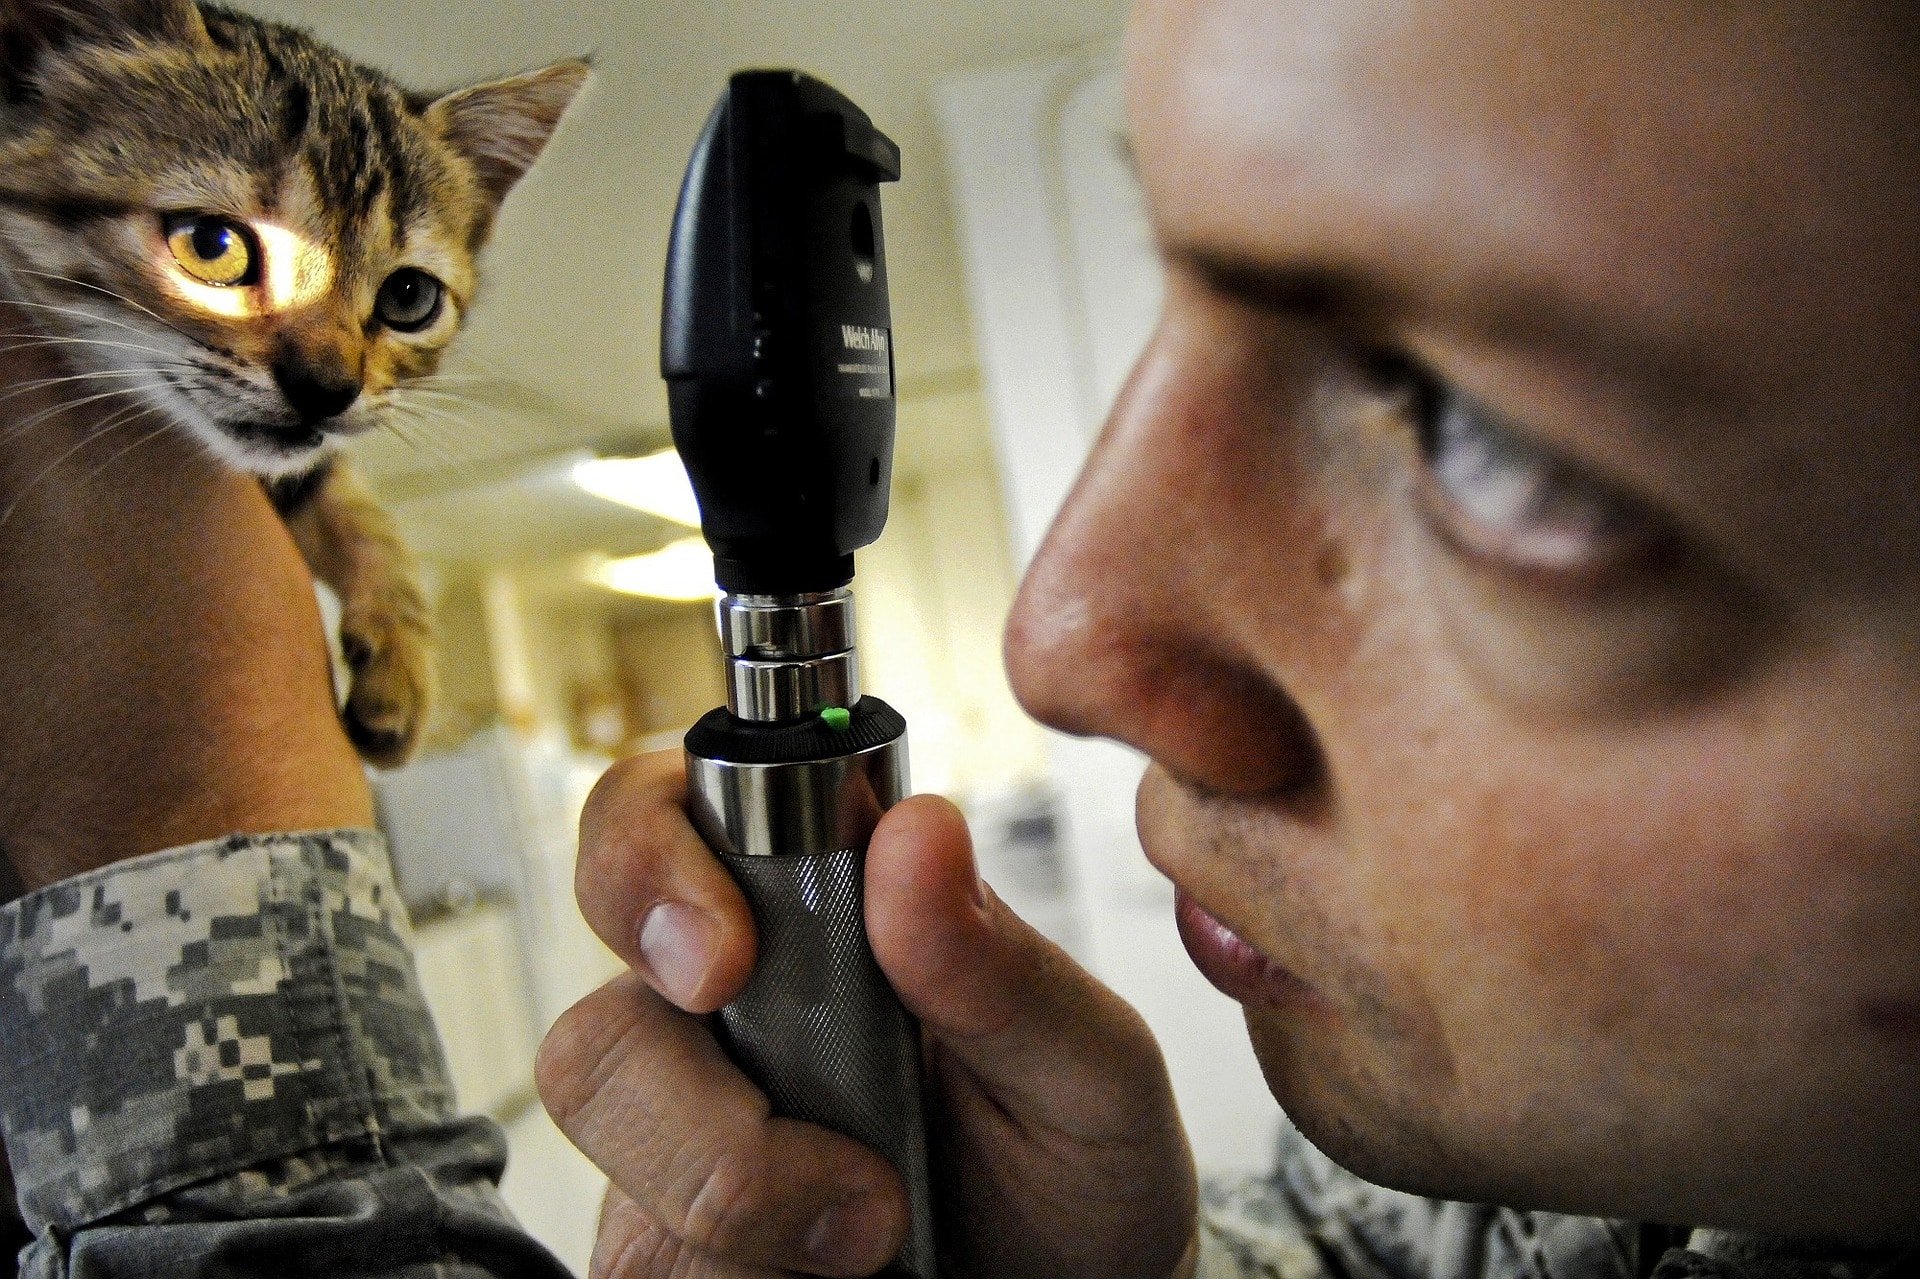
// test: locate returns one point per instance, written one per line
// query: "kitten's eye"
(409, 301)
(214, 250)
(1509, 502)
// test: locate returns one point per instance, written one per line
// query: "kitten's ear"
(32, 29)
(502, 128)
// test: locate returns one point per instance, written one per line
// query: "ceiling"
(562, 348)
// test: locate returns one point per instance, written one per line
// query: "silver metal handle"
(819, 1029)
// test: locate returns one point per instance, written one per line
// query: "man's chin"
(1354, 1112)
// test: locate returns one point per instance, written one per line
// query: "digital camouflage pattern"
(1311, 1219)
(217, 1061)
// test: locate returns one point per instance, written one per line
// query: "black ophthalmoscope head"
(776, 339)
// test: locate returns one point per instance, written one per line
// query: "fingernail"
(677, 941)
(847, 1238)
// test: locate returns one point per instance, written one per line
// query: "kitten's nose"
(315, 395)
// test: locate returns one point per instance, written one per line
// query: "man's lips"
(1232, 964)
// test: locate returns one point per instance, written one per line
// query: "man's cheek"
(1577, 901)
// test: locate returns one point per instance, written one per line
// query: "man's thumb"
(1034, 1028)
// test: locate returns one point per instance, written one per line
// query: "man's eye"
(1508, 502)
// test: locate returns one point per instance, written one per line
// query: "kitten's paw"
(390, 655)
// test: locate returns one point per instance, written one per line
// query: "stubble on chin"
(1364, 1067)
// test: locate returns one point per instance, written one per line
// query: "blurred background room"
(574, 605)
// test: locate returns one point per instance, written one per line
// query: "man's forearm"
(167, 676)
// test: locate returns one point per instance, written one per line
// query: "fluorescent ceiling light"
(682, 571)
(656, 484)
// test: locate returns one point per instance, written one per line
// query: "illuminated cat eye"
(214, 250)
(409, 301)
(1508, 502)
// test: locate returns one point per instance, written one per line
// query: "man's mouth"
(1234, 965)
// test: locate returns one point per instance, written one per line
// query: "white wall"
(1065, 287)
(933, 595)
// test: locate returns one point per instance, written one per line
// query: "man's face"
(1508, 551)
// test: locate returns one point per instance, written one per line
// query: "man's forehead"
(1643, 176)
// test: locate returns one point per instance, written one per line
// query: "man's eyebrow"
(1519, 315)
(1318, 293)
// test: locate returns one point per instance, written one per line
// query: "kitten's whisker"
(90, 438)
(485, 373)
(450, 400)
(435, 412)
(420, 436)
(149, 437)
(25, 340)
(75, 313)
(399, 398)
(45, 383)
(455, 373)
(15, 430)
(407, 436)
(434, 381)
(81, 401)
(132, 413)
(481, 423)
(431, 440)
(118, 297)
(443, 400)
(481, 362)
(413, 434)
(437, 381)
(439, 393)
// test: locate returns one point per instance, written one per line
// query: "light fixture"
(656, 484)
(680, 571)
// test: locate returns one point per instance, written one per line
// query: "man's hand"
(1057, 1148)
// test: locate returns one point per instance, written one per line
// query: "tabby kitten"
(228, 227)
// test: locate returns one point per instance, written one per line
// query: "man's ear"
(502, 127)
(30, 30)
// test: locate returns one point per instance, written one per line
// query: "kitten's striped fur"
(122, 121)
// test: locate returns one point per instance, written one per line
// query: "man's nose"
(1124, 626)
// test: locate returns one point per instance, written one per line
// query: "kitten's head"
(226, 221)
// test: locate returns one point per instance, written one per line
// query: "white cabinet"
(473, 976)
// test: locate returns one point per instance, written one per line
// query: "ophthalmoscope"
(777, 348)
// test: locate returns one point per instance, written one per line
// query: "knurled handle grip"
(819, 1029)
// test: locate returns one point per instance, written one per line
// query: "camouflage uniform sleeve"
(1312, 1219)
(216, 1062)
